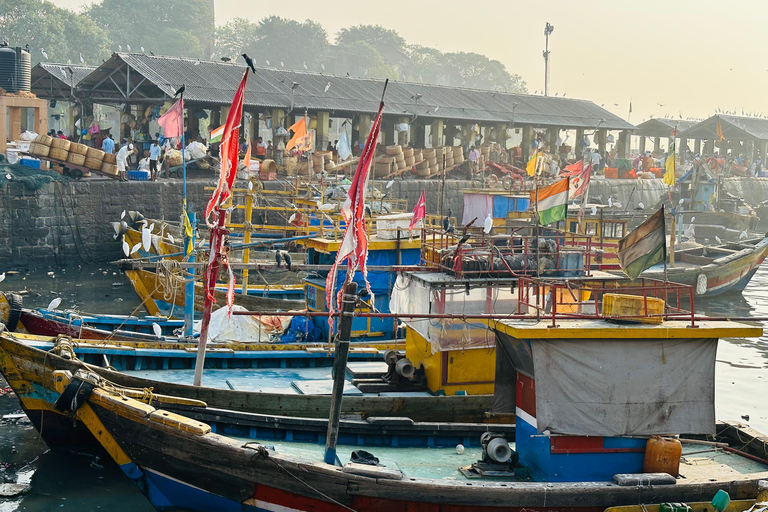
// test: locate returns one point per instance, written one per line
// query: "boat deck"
(702, 465)
(295, 381)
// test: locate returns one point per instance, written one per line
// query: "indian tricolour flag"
(645, 246)
(216, 134)
(552, 202)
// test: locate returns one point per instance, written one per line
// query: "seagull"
(641, 206)
(120, 48)
(267, 63)
(170, 238)
(2, 277)
(126, 248)
(142, 49)
(135, 248)
(718, 239)
(249, 61)
(69, 62)
(213, 55)
(225, 59)
(322, 66)
(610, 202)
(327, 86)
(54, 303)
(157, 330)
(82, 60)
(44, 54)
(743, 235)
(437, 108)
(281, 64)
(197, 62)
(128, 47)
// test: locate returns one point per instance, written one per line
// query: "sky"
(670, 58)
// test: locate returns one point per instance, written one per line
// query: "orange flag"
(247, 158)
(299, 129)
(720, 131)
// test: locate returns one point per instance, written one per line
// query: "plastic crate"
(30, 162)
(387, 226)
(138, 175)
(632, 308)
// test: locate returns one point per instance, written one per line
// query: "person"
(60, 134)
(52, 133)
(473, 157)
(108, 145)
(261, 149)
(154, 156)
(122, 158)
(595, 160)
(648, 162)
(243, 147)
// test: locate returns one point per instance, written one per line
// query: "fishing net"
(31, 179)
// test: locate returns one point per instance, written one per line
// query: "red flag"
(354, 246)
(247, 158)
(228, 150)
(579, 182)
(419, 211)
(173, 120)
(573, 169)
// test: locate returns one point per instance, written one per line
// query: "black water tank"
(8, 69)
(23, 70)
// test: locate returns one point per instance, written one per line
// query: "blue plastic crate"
(138, 175)
(30, 162)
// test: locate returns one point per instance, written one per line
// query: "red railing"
(559, 299)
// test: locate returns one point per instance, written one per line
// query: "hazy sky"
(691, 56)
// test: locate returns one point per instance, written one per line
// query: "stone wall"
(66, 223)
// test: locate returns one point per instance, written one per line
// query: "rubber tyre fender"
(15, 306)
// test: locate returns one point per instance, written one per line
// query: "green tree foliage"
(235, 37)
(479, 72)
(182, 28)
(61, 33)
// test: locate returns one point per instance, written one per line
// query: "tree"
(388, 44)
(61, 33)
(238, 35)
(479, 72)
(426, 65)
(288, 41)
(359, 58)
(182, 28)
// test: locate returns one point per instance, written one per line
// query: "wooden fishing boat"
(714, 270)
(569, 463)
(275, 390)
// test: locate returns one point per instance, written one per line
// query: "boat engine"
(496, 449)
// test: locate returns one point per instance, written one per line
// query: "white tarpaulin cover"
(625, 387)
(244, 328)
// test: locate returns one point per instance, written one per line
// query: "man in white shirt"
(122, 159)
(595, 160)
(154, 156)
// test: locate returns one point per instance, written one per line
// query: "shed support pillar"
(656, 144)
(278, 120)
(526, 144)
(501, 135)
(363, 127)
(323, 127)
(682, 149)
(642, 144)
(450, 134)
(579, 147)
(601, 135)
(552, 134)
(402, 137)
(624, 141)
(437, 133)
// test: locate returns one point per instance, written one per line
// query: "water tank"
(23, 70)
(8, 69)
(15, 69)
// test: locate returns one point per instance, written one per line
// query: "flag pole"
(189, 283)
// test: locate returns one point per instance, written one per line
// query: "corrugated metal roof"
(662, 127)
(732, 127)
(212, 82)
(61, 72)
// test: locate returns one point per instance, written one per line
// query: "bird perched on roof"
(249, 61)
(281, 256)
(225, 59)
(180, 90)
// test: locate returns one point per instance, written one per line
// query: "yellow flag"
(188, 233)
(531, 167)
(669, 173)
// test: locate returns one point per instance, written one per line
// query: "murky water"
(78, 482)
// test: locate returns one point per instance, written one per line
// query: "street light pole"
(548, 29)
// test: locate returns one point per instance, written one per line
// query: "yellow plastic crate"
(632, 308)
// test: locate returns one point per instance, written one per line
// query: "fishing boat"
(562, 460)
(712, 270)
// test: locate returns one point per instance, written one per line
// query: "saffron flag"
(172, 121)
(552, 202)
(573, 169)
(216, 135)
(669, 165)
(354, 246)
(247, 158)
(299, 129)
(644, 247)
(720, 130)
(228, 151)
(188, 233)
(419, 211)
(579, 182)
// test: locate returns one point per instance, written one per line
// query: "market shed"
(141, 79)
(55, 82)
(659, 128)
(740, 135)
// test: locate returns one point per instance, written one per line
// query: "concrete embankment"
(68, 223)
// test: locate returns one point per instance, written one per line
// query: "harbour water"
(78, 482)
